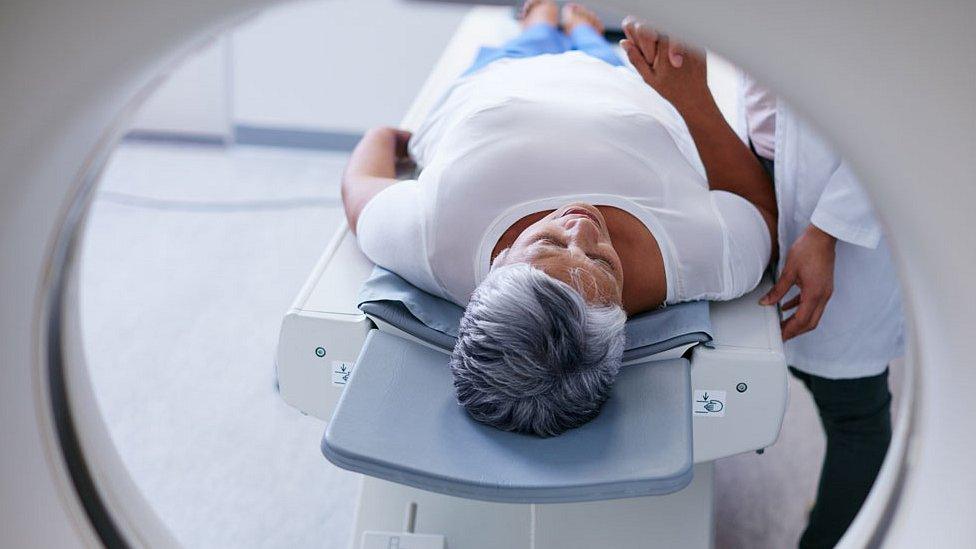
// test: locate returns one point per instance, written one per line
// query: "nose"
(583, 232)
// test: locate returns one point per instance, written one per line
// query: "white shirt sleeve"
(845, 212)
(392, 233)
(747, 243)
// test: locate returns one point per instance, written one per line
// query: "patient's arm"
(729, 164)
(371, 168)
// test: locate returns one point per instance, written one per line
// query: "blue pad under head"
(434, 320)
(398, 420)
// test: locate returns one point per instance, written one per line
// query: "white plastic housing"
(323, 330)
(745, 360)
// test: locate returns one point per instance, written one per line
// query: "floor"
(192, 255)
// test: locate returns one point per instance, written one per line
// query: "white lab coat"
(862, 328)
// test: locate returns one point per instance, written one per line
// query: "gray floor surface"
(192, 255)
(190, 259)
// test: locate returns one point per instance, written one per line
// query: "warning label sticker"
(709, 403)
(341, 371)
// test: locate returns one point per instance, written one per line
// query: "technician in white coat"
(835, 273)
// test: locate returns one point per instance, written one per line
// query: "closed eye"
(604, 262)
(551, 241)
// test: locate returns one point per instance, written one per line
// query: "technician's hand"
(674, 70)
(810, 267)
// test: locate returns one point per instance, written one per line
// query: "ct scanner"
(367, 353)
(893, 84)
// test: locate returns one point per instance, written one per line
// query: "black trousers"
(856, 417)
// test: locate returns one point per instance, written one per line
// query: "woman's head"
(572, 244)
(534, 355)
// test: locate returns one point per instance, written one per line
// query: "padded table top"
(398, 420)
(388, 297)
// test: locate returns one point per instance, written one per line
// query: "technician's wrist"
(820, 236)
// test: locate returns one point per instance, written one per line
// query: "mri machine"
(891, 83)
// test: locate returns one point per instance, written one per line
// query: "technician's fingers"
(789, 328)
(794, 325)
(779, 289)
(807, 318)
(791, 304)
(815, 321)
(637, 60)
(804, 313)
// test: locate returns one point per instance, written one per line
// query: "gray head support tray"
(398, 418)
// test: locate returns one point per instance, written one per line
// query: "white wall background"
(341, 66)
(337, 66)
(195, 99)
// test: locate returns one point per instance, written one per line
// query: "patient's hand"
(372, 167)
(400, 139)
(674, 70)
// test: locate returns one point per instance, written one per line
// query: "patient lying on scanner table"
(559, 192)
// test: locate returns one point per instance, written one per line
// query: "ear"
(500, 259)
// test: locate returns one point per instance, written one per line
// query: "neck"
(645, 286)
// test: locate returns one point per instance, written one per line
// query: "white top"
(862, 328)
(528, 135)
(760, 110)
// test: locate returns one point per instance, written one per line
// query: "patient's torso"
(527, 135)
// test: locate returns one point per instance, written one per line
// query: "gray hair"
(532, 355)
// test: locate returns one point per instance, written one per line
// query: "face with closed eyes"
(572, 244)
